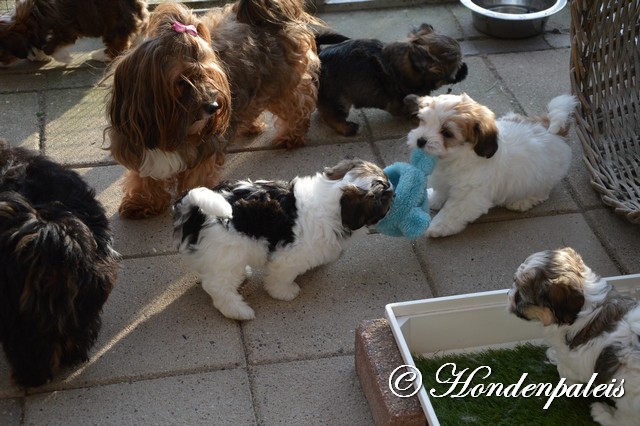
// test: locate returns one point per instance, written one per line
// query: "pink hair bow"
(182, 28)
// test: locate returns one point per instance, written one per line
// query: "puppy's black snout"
(421, 142)
(211, 108)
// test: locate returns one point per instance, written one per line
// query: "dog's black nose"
(211, 108)
(421, 142)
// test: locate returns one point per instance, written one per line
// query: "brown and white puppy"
(514, 161)
(41, 29)
(182, 95)
(589, 326)
(366, 73)
(288, 227)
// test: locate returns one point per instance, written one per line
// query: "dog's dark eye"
(446, 133)
(517, 297)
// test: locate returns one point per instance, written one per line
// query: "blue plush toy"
(409, 213)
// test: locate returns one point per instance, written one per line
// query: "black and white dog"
(57, 265)
(289, 227)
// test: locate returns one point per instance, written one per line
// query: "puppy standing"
(366, 73)
(38, 29)
(514, 161)
(290, 227)
(181, 96)
(57, 265)
(589, 326)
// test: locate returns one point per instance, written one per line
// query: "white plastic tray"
(467, 322)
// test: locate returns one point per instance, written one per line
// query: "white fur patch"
(158, 164)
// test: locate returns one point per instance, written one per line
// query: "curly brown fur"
(179, 100)
(57, 265)
(365, 73)
(39, 27)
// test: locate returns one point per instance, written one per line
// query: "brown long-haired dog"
(40, 29)
(181, 96)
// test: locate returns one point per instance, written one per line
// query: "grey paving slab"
(75, 121)
(534, 86)
(215, 398)
(334, 298)
(319, 134)
(286, 164)
(388, 27)
(10, 412)
(157, 321)
(20, 119)
(132, 237)
(484, 256)
(320, 392)
(620, 237)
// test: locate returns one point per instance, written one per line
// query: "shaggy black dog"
(57, 266)
(365, 73)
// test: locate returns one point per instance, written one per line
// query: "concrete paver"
(166, 356)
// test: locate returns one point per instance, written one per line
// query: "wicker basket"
(605, 73)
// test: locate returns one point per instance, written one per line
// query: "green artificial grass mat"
(507, 367)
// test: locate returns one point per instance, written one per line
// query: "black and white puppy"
(589, 326)
(57, 265)
(289, 227)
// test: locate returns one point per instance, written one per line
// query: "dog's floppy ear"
(483, 132)
(566, 302)
(360, 207)
(338, 171)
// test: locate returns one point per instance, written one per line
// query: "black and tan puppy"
(57, 265)
(366, 73)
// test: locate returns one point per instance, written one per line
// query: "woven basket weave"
(605, 73)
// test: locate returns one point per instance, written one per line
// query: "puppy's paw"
(285, 292)
(237, 310)
(442, 229)
(603, 414)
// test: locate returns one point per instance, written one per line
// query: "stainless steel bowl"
(512, 18)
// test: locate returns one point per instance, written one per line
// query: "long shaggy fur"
(38, 29)
(288, 227)
(514, 161)
(57, 265)
(589, 326)
(178, 100)
(366, 73)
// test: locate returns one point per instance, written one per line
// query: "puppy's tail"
(211, 203)
(561, 108)
(191, 211)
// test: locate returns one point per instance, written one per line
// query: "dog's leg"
(335, 114)
(223, 289)
(279, 278)
(143, 197)
(293, 113)
(605, 415)
(205, 174)
(459, 210)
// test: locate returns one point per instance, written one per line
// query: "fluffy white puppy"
(513, 162)
(589, 326)
(288, 227)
